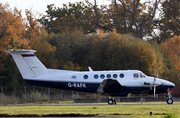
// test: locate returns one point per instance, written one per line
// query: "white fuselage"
(115, 83)
(90, 81)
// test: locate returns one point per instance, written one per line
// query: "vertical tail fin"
(27, 63)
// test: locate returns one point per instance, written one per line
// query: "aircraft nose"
(173, 85)
(170, 85)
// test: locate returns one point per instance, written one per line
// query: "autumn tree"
(32, 27)
(127, 16)
(169, 24)
(12, 27)
(106, 51)
(38, 38)
(70, 66)
(172, 49)
(100, 18)
(72, 47)
(73, 15)
(12, 30)
(133, 17)
(123, 52)
(96, 58)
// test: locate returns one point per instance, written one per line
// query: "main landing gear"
(111, 101)
(169, 99)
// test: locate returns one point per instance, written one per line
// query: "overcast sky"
(40, 6)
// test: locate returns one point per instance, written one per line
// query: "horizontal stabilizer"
(20, 51)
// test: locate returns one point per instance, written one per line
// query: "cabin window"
(121, 75)
(136, 75)
(102, 76)
(85, 76)
(108, 76)
(73, 77)
(96, 76)
(114, 75)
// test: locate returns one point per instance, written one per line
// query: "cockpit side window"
(136, 75)
(142, 75)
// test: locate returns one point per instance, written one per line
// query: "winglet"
(90, 69)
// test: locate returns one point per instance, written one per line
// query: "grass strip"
(134, 110)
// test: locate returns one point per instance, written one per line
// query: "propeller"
(155, 83)
(154, 87)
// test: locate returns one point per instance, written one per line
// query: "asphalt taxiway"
(81, 105)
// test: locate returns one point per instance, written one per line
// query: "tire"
(169, 101)
(114, 102)
(110, 101)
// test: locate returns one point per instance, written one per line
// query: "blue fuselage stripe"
(76, 86)
(92, 87)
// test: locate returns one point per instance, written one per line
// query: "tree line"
(80, 34)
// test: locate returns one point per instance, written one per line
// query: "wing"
(109, 86)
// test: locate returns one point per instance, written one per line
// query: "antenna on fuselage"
(90, 69)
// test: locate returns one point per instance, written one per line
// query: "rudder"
(27, 63)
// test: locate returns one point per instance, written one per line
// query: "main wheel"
(110, 101)
(114, 102)
(169, 101)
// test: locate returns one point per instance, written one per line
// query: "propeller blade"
(154, 87)
(154, 91)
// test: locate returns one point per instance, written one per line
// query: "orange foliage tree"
(12, 28)
(33, 28)
(38, 38)
(172, 50)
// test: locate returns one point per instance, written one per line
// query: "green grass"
(121, 109)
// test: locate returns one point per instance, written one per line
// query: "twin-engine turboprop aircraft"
(115, 83)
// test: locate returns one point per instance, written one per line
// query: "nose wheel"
(169, 99)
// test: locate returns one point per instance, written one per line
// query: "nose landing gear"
(169, 99)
